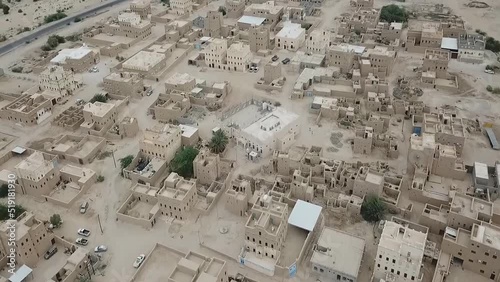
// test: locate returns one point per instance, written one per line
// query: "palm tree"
(218, 142)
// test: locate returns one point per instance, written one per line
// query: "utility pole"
(99, 220)
(113, 154)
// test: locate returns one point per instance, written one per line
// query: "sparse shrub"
(17, 69)
(100, 178)
(99, 98)
(496, 90)
(55, 17)
(5, 9)
(45, 48)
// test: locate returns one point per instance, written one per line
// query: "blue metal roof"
(493, 139)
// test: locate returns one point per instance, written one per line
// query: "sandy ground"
(33, 14)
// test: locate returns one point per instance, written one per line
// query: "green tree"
(492, 44)
(55, 220)
(54, 17)
(393, 13)
(4, 190)
(126, 161)
(5, 9)
(222, 9)
(100, 178)
(489, 88)
(52, 42)
(99, 98)
(5, 213)
(373, 208)
(183, 162)
(218, 142)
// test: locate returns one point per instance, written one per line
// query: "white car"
(100, 249)
(82, 241)
(84, 232)
(139, 260)
(489, 71)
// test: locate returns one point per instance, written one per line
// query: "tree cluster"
(393, 13)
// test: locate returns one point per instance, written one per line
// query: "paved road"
(47, 29)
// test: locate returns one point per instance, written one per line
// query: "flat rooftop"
(290, 30)
(265, 127)
(470, 206)
(348, 48)
(98, 109)
(179, 78)
(75, 54)
(339, 251)
(35, 164)
(270, 7)
(123, 76)
(399, 238)
(374, 178)
(251, 20)
(188, 131)
(144, 61)
(161, 133)
(486, 234)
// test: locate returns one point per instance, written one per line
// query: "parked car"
(52, 251)
(286, 61)
(100, 249)
(83, 207)
(150, 91)
(489, 71)
(82, 241)
(275, 58)
(94, 69)
(84, 232)
(139, 260)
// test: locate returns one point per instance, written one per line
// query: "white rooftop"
(290, 30)
(21, 274)
(339, 251)
(251, 20)
(481, 170)
(188, 131)
(132, 18)
(75, 53)
(349, 48)
(449, 43)
(304, 215)
(396, 25)
(266, 126)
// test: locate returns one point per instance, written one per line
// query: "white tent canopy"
(304, 215)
